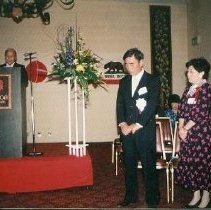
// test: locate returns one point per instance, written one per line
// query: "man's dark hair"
(134, 52)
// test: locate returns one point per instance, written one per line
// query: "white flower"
(141, 103)
(142, 91)
(75, 61)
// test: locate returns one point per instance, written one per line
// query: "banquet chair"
(112, 149)
(174, 159)
(167, 133)
(116, 153)
(161, 162)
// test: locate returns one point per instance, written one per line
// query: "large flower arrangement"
(78, 64)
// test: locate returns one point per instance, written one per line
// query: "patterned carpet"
(106, 192)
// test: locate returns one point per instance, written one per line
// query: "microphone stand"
(34, 153)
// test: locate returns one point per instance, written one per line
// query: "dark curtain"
(161, 53)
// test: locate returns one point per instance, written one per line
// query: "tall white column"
(79, 148)
(69, 114)
(84, 124)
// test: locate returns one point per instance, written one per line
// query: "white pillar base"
(77, 150)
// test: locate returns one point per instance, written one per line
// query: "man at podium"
(13, 82)
(10, 61)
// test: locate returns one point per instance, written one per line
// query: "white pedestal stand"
(78, 148)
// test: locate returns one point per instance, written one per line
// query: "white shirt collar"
(10, 65)
(193, 88)
(138, 76)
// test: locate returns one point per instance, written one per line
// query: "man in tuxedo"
(137, 101)
(10, 61)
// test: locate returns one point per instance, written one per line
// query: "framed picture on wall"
(5, 91)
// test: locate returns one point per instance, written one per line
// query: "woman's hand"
(183, 134)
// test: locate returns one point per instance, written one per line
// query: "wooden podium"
(13, 134)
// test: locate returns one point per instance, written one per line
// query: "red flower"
(197, 92)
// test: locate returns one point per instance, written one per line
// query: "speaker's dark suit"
(142, 144)
(24, 77)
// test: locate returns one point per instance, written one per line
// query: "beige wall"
(109, 27)
(199, 24)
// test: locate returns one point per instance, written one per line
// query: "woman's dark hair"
(173, 98)
(134, 51)
(201, 65)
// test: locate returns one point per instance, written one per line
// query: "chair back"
(176, 140)
(159, 140)
(167, 132)
(159, 145)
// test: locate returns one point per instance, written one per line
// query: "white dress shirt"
(135, 81)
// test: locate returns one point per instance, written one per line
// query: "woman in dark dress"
(194, 167)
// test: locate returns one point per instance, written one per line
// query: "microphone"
(29, 58)
(29, 54)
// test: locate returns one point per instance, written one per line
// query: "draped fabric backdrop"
(160, 22)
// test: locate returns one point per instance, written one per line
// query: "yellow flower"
(80, 52)
(87, 52)
(84, 64)
(80, 68)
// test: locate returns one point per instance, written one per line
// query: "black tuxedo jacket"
(127, 110)
(24, 77)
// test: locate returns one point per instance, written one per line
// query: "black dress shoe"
(125, 203)
(191, 206)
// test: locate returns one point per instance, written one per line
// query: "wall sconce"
(45, 17)
(196, 40)
(19, 9)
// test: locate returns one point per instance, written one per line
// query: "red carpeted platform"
(29, 174)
